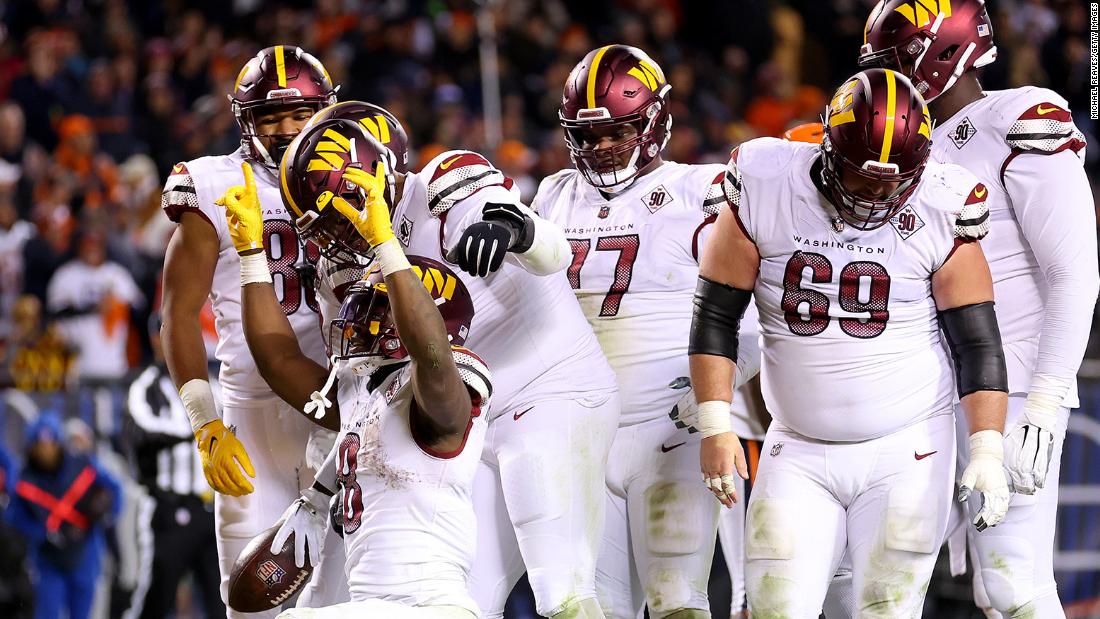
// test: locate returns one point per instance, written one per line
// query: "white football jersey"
(194, 186)
(635, 268)
(851, 341)
(985, 137)
(408, 516)
(528, 328)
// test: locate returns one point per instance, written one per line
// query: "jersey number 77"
(627, 246)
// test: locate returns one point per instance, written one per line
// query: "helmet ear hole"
(948, 53)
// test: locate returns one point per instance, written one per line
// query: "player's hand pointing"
(242, 213)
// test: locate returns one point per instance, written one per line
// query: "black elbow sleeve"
(975, 343)
(717, 318)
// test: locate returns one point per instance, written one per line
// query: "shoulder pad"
(972, 222)
(716, 194)
(549, 184)
(179, 193)
(456, 175)
(1045, 128)
(731, 181)
(474, 372)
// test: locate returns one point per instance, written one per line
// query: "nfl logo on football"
(270, 573)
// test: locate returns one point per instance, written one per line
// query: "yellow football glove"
(373, 222)
(223, 458)
(242, 212)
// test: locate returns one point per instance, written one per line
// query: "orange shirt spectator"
(95, 174)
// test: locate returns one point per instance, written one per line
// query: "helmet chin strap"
(267, 160)
(959, 67)
(630, 169)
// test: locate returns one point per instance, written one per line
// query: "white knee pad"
(1007, 574)
(910, 525)
(675, 517)
(666, 590)
(769, 530)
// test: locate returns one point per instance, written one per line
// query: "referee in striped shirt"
(175, 525)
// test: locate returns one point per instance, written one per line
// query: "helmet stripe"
(240, 76)
(891, 104)
(280, 66)
(591, 90)
(286, 190)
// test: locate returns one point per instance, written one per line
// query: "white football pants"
(884, 500)
(539, 500)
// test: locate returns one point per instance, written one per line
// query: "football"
(261, 580)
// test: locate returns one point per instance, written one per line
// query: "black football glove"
(482, 247)
(512, 216)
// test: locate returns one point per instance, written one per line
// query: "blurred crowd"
(100, 98)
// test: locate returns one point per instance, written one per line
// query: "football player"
(538, 491)
(635, 224)
(857, 251)
(1023, 146)
(408, 400)
(261, 438)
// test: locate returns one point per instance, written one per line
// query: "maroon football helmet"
(279, 76)
(615, 85)
(378, 121)
(932, 49)
(876, 129)
(311, 175)
(365, 326)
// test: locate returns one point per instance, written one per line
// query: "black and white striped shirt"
(164, 442)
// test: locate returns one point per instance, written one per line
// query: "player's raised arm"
(439, 391)
(292, 375)
(963, 290)
(727, 275)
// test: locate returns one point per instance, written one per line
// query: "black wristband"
(717, 318)
(975, 342)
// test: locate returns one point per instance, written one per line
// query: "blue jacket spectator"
(61, 503)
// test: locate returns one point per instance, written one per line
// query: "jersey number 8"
(282, 259)
(351, 497)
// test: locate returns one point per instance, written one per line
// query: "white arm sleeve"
(548, 254)
(1053, 202)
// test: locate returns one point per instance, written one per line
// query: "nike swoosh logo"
(665, 450)
(446, 164)
(1043, 112)
(516, 416)
(979, 194)
(922, 456)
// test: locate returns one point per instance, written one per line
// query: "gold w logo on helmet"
(921, 12)
(328, 151)
(648, 74)
(436, 280)
(433, 280)
(840, 108)
(377, 126)
(925, 124)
